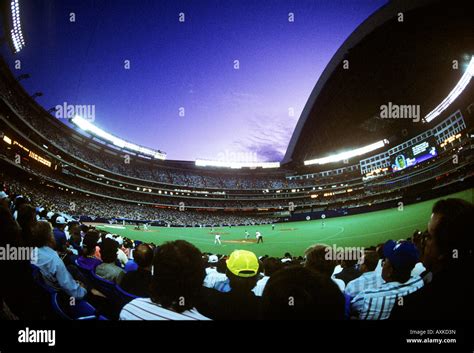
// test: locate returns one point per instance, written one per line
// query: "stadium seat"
(104, 286)
(81, 310)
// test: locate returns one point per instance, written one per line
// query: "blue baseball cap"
(402, 256)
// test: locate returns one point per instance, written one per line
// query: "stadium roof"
(405, 63)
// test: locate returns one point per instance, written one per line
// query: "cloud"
(268, 133)
(269, 137)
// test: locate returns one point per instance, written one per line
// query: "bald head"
(143, 256)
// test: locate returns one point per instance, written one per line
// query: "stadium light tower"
(16, 32)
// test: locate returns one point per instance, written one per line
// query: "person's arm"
(66, 281)
(357, 306)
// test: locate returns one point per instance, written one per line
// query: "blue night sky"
(239, 114)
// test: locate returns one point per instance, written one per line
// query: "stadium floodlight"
(16, 32)
(236, 165)
(347, 155)
(85, 125)
(457, 90)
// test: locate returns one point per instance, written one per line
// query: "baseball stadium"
(156, 161)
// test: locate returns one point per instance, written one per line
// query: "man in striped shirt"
(177, 280)
(377, 303)
(370, 279)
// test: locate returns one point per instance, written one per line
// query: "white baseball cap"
(49, 214)
(213, 259)
(3, 195)
(60, 220)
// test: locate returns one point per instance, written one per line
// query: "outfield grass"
(359, 230)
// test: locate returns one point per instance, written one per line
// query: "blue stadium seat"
(84, 271)
(104, 286)
(81, 310)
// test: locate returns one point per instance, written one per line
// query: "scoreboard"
(414, 155)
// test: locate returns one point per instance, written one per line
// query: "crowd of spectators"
(424, 276)
(92, 207)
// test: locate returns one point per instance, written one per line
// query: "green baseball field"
(355, 231)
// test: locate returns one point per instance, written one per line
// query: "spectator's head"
(369, 261)
(449, 237)
(349, 263)
(418, 238)
(90, 242)
(379, 250)
(271, 265)
(242, 270)
(74, 227)
(108, 251)
(85, 228)
(10, 231)
(297, 292)
(42, 233)
(178, 275)
(26, 216)
(143, 256)
(60, 222)
(19, 200)
(400, 259)
(43, 213)
(4, 200)
(320, 258)
(212, 260)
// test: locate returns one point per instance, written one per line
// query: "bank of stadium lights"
(16, 32)
(457, 90)
(349, 154)
(236, 165)
(91, 128)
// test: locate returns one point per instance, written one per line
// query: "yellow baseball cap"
(243, 263)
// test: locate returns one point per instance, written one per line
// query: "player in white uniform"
(145, 226)
(247, 234)
(259, 237)
(217, 239)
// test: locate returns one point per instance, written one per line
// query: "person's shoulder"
(131, 310)
(141, 301)
(138, 302)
